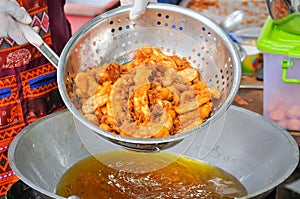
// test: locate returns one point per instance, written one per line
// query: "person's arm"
(139, 7)
(11, 14)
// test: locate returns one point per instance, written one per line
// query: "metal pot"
(259, 153)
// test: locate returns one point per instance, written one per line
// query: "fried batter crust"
(152, 96)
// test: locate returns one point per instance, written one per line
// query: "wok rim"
(289, 138)
(152, 141)
(287, 135)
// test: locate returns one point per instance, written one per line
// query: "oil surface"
(124, 174)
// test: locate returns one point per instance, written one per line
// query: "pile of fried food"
(153, 96)
(201, 5)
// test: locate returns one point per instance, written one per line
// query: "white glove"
(11, 14)
(139, 7)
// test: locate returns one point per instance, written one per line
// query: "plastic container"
(281, 55)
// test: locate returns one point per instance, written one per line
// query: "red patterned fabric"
(28, 87)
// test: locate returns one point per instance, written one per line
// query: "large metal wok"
(255, 150)
(112, 37)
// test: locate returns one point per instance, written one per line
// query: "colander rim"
(152, 6)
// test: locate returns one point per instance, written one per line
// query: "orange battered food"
(152, 96)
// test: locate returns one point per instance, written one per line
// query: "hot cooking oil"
(125, 174)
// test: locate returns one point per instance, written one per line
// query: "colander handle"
(35, 39)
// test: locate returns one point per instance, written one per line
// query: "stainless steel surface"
(247, 34)
(231, 22)
(241, 51)
(174, 29)
(38, 42)
(296, 5)
(249, 86)
(255, 150)
(73, 197)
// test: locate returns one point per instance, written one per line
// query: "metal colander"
(113, 37)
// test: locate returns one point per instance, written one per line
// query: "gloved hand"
(139, 7)
(11, 14)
